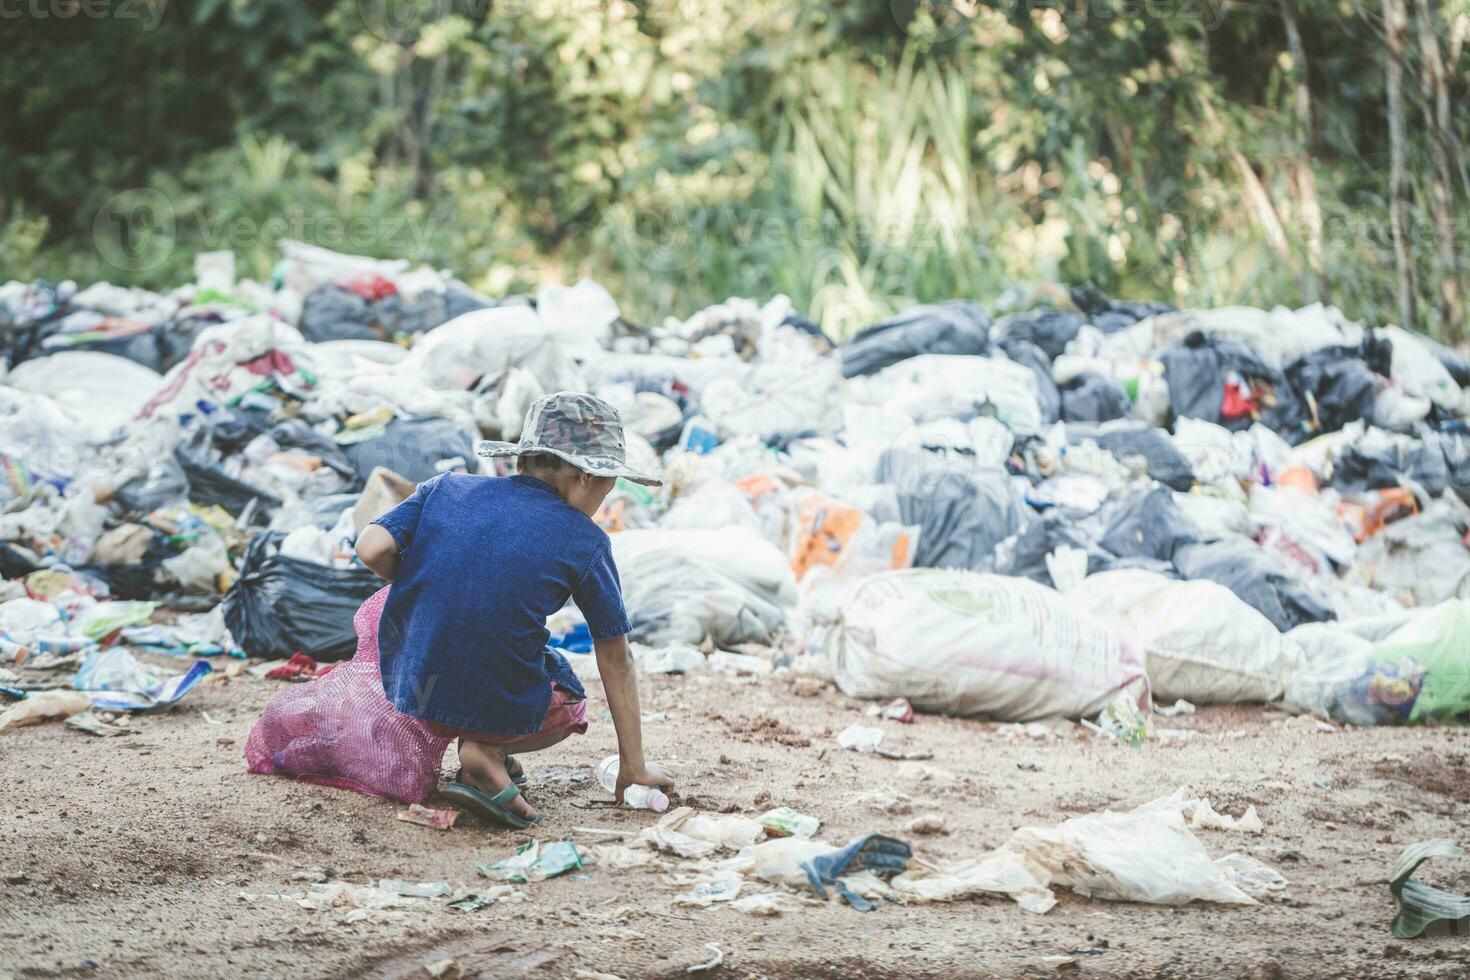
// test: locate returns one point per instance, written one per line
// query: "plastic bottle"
(637, 797)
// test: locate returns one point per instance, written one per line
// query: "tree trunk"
(1441, 191)
(1255, 191)
(1396, 27)
(1304, 176)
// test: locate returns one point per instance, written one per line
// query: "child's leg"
(483, 764)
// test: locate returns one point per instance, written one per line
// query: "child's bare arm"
(378, 551)
(620, 684)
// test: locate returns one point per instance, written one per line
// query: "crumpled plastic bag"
(1147, 854)
(116, 681)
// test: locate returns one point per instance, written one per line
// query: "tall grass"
(878, 194)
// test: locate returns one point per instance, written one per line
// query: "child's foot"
(483, 767)
(512, 766)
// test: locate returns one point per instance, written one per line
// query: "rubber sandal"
(486, 807)
(520, 780)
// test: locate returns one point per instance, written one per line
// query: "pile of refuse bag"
(1068, 510)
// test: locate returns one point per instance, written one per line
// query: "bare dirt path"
(126, 856)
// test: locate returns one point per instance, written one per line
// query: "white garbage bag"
(778, 395)
(578, 317)
(307, 266)
(681, 585)
(1310, 520)
(100, 391)
(1201, 642)
(1422, 558)
(1418, 372)
(488, 343)
(342, 360)
(964, 643)
(947, 384)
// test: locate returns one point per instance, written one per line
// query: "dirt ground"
(127, 856)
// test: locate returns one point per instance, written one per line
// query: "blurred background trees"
(857, 156)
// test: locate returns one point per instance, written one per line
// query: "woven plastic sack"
(339, 729)
(962, 643)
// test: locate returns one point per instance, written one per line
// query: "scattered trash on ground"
(535, 862)
(426, 816)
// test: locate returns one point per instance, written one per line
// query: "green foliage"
(858, 157)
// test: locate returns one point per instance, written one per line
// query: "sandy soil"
(126, 856)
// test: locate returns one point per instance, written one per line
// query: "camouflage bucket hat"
(582, 429)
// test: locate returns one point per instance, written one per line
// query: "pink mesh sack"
(339, 729)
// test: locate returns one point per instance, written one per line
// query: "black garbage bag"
(1110, 315)
(16, 562)
(1147, 524)
(962, 511)
(1427, 463)
(281, 605)
(176, 338)
(1048, 398)
(413, 448)
(228, 430)
(1455, 447)
(1051, 330)
(1240, 565)
(1025, 554)
(143, 579)
(209, 484)
(1162, 458)
(1341, 382)
(141, 348)
(459, 299)
(165, 483)
(1092, 397)
(30, 321)
(1356, 470)
(955, 326)
(1195, 368)
(296, 434)
(332, 313)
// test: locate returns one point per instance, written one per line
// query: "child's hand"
(647, 774)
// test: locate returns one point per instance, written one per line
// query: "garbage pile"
(1069, 510)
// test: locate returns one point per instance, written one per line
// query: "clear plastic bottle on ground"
(637, 797)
